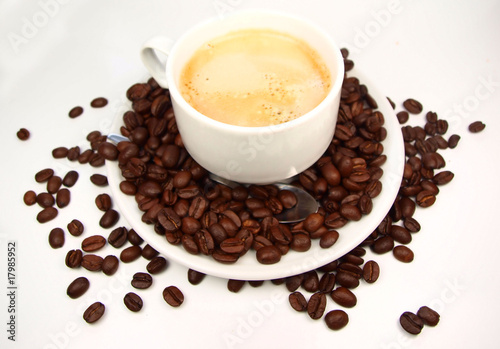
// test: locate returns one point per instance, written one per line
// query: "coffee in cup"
(255, 77)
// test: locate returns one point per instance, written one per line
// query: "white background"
(59, 54)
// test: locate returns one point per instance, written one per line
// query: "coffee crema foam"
(255, 77)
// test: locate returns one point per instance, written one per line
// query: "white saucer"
(247, 267)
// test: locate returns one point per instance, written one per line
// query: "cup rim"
(334, 91)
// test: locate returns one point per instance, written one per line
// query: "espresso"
(255, 77)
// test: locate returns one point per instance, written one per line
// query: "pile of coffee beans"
(181, 202)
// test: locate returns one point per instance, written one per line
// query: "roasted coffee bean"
(412, 225)
(59, 152)
(110, 265)
(297, 301)
(329, 238)
(99, 102)
(443, 177)
(429, 316)
(235, 285)
(138, 91)
(29, 198)
(413, 106)
(425, 198)
(47, 214)
(93, 243)
(99, 180)
(94, 312)
(133, 302)
(411, 323)
(134, 238)
(400, 234)
(75, 227)
(92, 262)
(311, 281)
(148, 252)
(383, 244)
(103, 202)
(327, 282)
(141, 280)
(75, 112)
(74, 258)
(45, 199)
(118, 237)
(292, 283)
(156, 265)
(44, 175)
(78, 287)
(300, 242)
(403, 254)
(403, 117)
(70, 179)
(371, 271)
(108, 151)
(173, 296)
(63, 198)
(56, 238)
(195, 277)
(109, 218)
(268, 255)
(316, 305)
(23, 134)
(130, 254)
(344, 297)
(287, 198)
(336, 319)
(453, 141)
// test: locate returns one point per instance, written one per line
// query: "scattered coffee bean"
(70, 179)
(118, 237)
(173, 296)
(94, 312)
(92, 262)
(75, 227)
(453, 141)
(403, 117)
(103, 202)
(130, 254)
(44, 175)
(403, 254)
(93, 243)
(195, 277)
(336, 319)
(316, 305)
(23, 134)
(74, 258)
(297, 301)
(235, 286)
(156, 265)
(78, 287)
(134, 238)
(47, 214)
(63, 197)
(109, 218)
(429, 316)
(133, 302)
(75, 112)
(29, 198)
(60, 152)
(99, 180)
(371, 271)
(141, 280)
(344, 297)
(45, 200)
(411, 323)
(110, 265)
(476, 127)
(99, 102)
(413, 106)
(56, 238)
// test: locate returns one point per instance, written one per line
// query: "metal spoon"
(306, 204)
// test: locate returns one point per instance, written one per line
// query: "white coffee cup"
(256, 155)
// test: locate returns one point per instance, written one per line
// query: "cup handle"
(150, 59)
